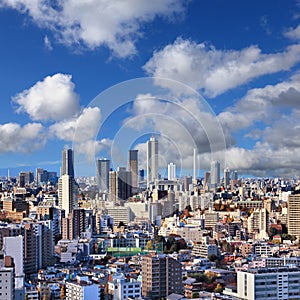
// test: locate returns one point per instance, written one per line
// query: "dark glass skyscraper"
(67, 167)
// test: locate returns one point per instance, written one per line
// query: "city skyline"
(243, 58)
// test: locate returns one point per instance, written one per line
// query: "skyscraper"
(103, 168)
(195, 166)
(67, 186)
(120, 184)
(152, 160)
(67, 193)
(235, 175)
(226, 177)
(133, 168)
(67, 167)
(171, 171)
(215, 173)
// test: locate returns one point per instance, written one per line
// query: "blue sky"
(241, 56)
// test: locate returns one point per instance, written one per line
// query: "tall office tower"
(195, 166)
(67, 167)
(234, 175)
(25, 178)
(133, 168)
(103, 168)
(120, 184)
(67, 186)
(226, 177)
(171, 171)
(161, 276)
(294, 215)
(215, 173)
(152, 160)
(39, 175)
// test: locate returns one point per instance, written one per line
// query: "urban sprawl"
(130, 234)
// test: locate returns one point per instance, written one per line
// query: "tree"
(149, 245)
(219, 288)
(63, 292)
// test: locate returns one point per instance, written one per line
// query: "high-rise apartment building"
(215, 173)
(152, 160)
(103, 168)
(133, 168)
(67, 193)
(161, 276)
(294, 215)
(258, 223)
(171, 171)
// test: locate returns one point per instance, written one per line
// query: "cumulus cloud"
(180, 126)
(214, 71)
(262, 160)
(52, 99)
(79, 128)
(262, 104)
(293, 33)
(24, 139)
(94, 23)
(89, 149)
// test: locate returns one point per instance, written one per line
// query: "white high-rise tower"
(195, 166)
(152, 160)
(171, 171)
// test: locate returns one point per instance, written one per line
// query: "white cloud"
(262, 104)
(293, 33)
(89, 149)
(217, 71)
(53, 98)
(262, 160)
(115, 24)
(181, 126)
(15, 138)
(79, 128)
(48, 43)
